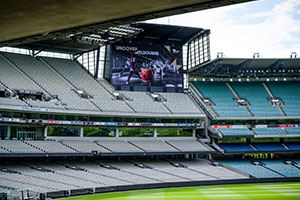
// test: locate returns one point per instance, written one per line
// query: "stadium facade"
(142, 106)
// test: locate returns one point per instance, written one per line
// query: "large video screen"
(146, 65)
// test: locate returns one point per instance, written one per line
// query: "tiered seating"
(93, 179)
(19, 183)
(143, 103)
(51, 81)
(14, 79)
(180, 103)
(153, 145)
(297, 162)
(294, 146)
(289, 94)
(270, 146)
(52, 178)
(222, 97)
(105, 145)
(262, 146)
(51, 146)
(80, 178)
(118, 146)
(2, 150)
(82, 80)
(12, 102)
(183, 174)
(214, 171)
(236, 131)
(90, 175)
(18, 146)
(286, 170)
(257, 96)
(247, 167)
(62, 77)
(44, 104)
(150, 175)
(130, 172)
(268, 131)
(188, 145)
(84, 146)
(101, 91)
(260, 132)
(106, 85)
(235, 147)
(107, 176)
(45, 180)
(293, 131)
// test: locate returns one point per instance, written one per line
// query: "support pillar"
(8, 132)
(97, 64)
(117, 132)
(194, 132)
(45, 131)
(206, 123)
(155, 132)
(81, 131)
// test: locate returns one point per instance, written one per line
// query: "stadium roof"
(27, 21)
(138, 32)
(166, 34)
(241, 64)
(83, 41)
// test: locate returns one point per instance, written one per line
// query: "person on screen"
(126, 67)
(134, 69)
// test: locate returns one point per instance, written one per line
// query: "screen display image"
(146, 65)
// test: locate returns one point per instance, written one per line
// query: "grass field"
(265, 191)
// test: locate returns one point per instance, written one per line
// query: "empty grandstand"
(250, 90)
(63, 85)
(90, 175)
(129, 115)
(252, 104)
(265, 168)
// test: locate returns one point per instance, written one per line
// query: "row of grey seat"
(259, 131)
(54, 76)
(103, 146)
(78, 175)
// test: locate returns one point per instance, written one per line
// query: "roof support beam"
(97, 63)
(75, 57)
(35, 53)
(276, 65)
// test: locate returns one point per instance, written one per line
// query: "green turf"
(265, 191)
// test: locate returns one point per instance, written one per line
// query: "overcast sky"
(270, 27)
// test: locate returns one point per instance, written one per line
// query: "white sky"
(270, 27)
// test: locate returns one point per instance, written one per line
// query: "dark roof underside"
(236, 64)
(59, 45)
(30, 21)
(166, 34)
(152, 33)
